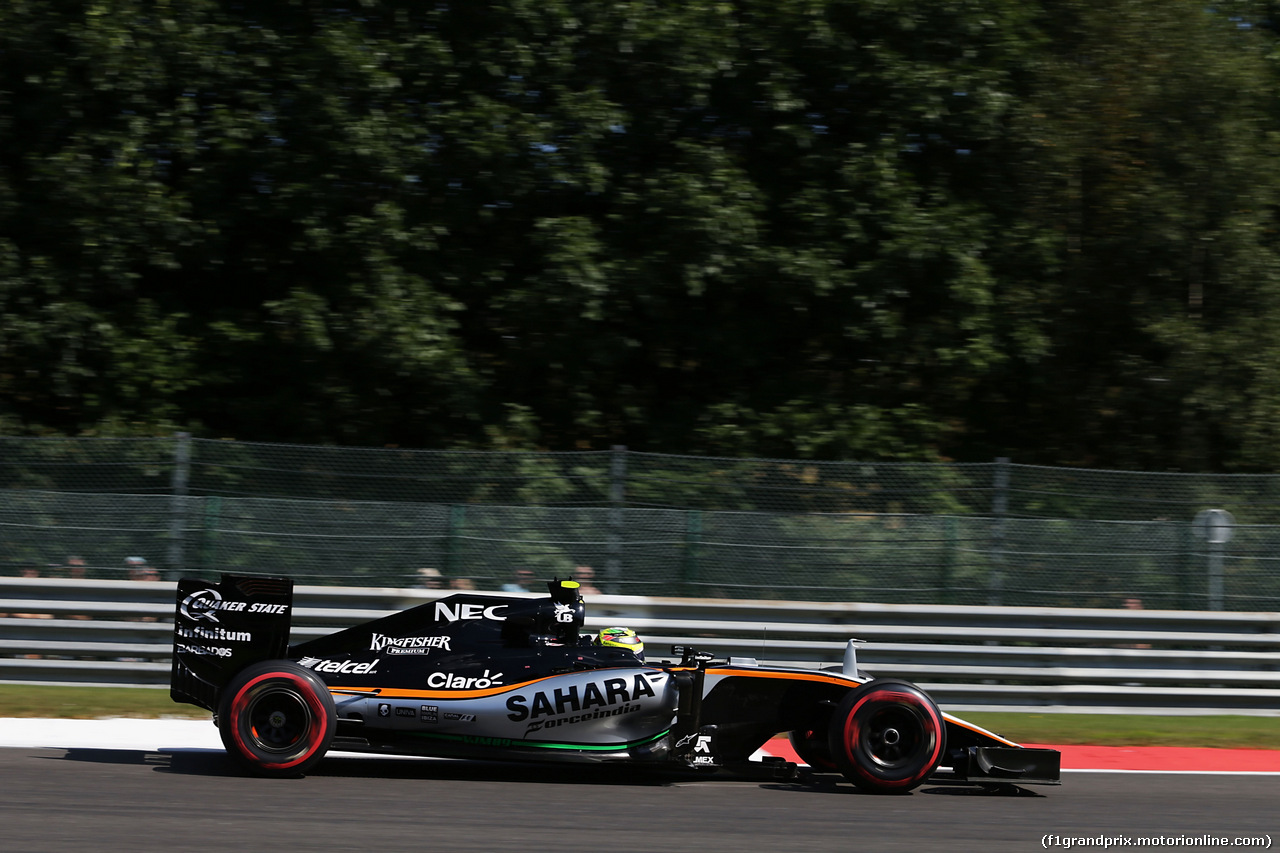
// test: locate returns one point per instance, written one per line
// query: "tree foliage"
(806, 228)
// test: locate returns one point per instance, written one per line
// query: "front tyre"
(887, 736)
(277, 718)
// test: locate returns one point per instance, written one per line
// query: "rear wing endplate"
(219, 629)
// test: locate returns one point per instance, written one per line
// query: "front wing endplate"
(1012, 765)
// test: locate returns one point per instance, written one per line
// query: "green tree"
(807, 228)
(1150, 162)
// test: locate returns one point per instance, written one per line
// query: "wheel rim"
(279, 720)
(893, 736)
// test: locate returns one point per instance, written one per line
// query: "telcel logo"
(344, 666)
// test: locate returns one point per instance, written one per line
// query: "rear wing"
(219, 629)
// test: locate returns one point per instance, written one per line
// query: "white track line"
(118, 733)
(169, 735)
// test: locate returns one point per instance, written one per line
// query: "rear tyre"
(887, 736)
(277, 718)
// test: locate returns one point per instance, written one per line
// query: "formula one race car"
(498, 677)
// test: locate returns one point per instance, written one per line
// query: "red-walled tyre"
(277, 718)
(887, 736)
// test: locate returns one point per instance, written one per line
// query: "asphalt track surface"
(122, 799)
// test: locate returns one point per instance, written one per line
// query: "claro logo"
(449, 681)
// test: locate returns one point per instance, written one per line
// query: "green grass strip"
(86, 703)
(1223, 731)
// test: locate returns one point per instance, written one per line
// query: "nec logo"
(453, 612)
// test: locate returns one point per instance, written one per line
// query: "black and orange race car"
(498, 677)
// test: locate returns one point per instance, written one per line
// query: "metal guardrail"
(119, 632)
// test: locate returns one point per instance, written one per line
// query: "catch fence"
(995, 533)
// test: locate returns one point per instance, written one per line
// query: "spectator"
(462, 583)
(429, 578)
(139, 570)
(1134, 604)
(75, 568)
(32, 572)
(520, 583)
(586, 578)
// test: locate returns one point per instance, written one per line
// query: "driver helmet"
(621, 638)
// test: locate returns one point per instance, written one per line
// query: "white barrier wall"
(119, 632)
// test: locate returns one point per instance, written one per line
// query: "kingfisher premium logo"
(407, 645)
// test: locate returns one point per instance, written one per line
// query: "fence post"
(178, 503)
(1185, 568)
(617, 503)
(999, 509)
(457, 518)
(947, 565)
(692, 536)
(209, 537)
(1216, 551)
